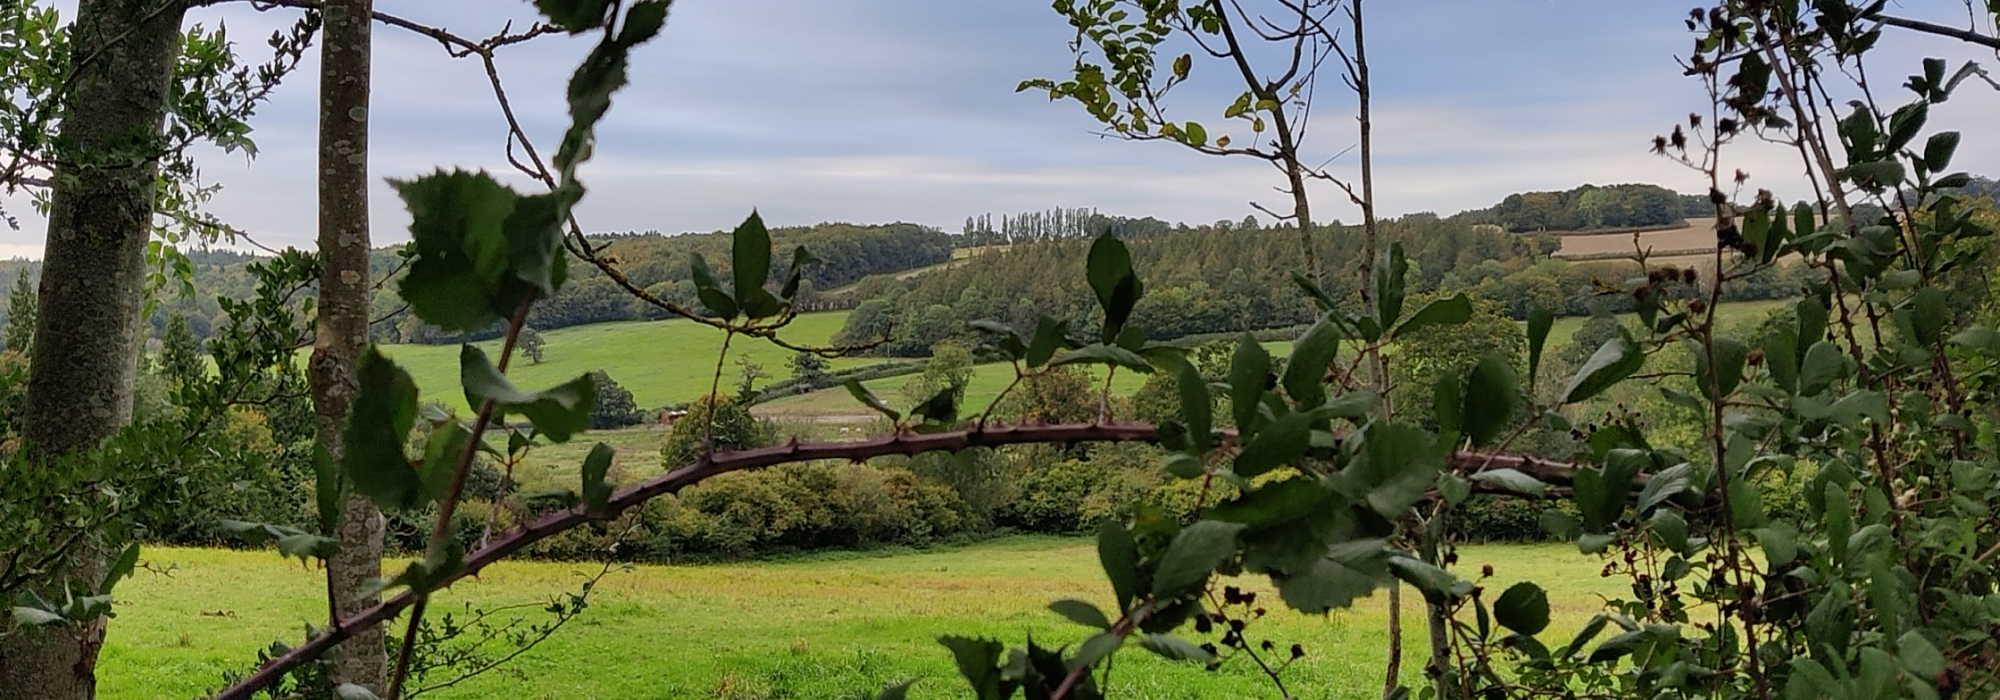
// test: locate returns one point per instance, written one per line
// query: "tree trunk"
(86, 339)
(342, 332)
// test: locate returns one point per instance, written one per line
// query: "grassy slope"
(989, 380)
(660, 362)
(831, 627)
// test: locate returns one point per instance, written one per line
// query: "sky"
(906, 110)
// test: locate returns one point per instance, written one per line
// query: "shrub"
(615, 407)
(735, 429)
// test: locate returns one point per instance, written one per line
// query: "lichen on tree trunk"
(86, 339)
(342, 331)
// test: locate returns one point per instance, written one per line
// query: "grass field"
(837, 626)
(1699, 233)
(660, 362)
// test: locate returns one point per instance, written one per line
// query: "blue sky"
(905, 110)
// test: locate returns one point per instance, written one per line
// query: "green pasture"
(833, 626)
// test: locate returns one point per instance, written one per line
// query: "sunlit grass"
(832, 626)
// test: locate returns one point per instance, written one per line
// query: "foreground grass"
(829, 627)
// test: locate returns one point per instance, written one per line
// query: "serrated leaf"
(1939, 149)
(1049, 336)
(1280, 443)
(121, 567)
(380, 420)
(557, 413)
(1524, 608)
(1929, 314)
(575, 15)
(979, 662)
(1193, 554)
(1823, 365)
(1670, 482)
(1094, 649)
(1275, 504)
(1197, 406)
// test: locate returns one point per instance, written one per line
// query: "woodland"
(1778, 451)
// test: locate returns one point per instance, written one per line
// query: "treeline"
(655, 262)
(1591, 207)
(1228, 278)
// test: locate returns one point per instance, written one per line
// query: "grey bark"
(86, 339)
(342, 331)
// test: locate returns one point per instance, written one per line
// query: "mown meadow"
(829, 626)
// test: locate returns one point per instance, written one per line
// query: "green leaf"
(1389, 286)
(708, 290)
(1313, 291)
(1249, 370)
(1197, 406)
(1668, 483)
(1781, 358)
(1102, 354)
(1193, 554)
(941, 407)
(1729, 355)
(442, 451)
(1275, 504)
(1524, 608)
(1919, 655)
(899, 690)
(1513, 481)
(1174, 648)
(1049, 336)
(1348, 571)
(1396, 465)
(1540, 320)
(1435, 583)
(1094, 649)
(1617, 359)
(459, 279)
(557, 413)
(1939, 149)
(329, 489)
(1671, 528)
(34, 617)
(800, 259)
(1823, 365)
(1928, 315)
(1448, 399)
(1196, 135)
(121, 567)
(1492, 392)
(750, 261)
(1081, 612)
(1305, 372)
(644, 21)
(1561, 524)
(1454, 310)
(575, 15)
(383, 412)
(868, 398)
(1119, 556)
(1780, 541)
(1278, 444)
(1109, 269)
(979, 662)
(597, 491)
(1453, 488)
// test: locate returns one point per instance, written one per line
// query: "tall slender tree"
(21, 314)
(92, 287)
(345, 66)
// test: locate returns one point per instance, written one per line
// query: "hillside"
(660, 362)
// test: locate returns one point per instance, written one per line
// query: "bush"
(615, 407)
(1048, 497)
(735, 429)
